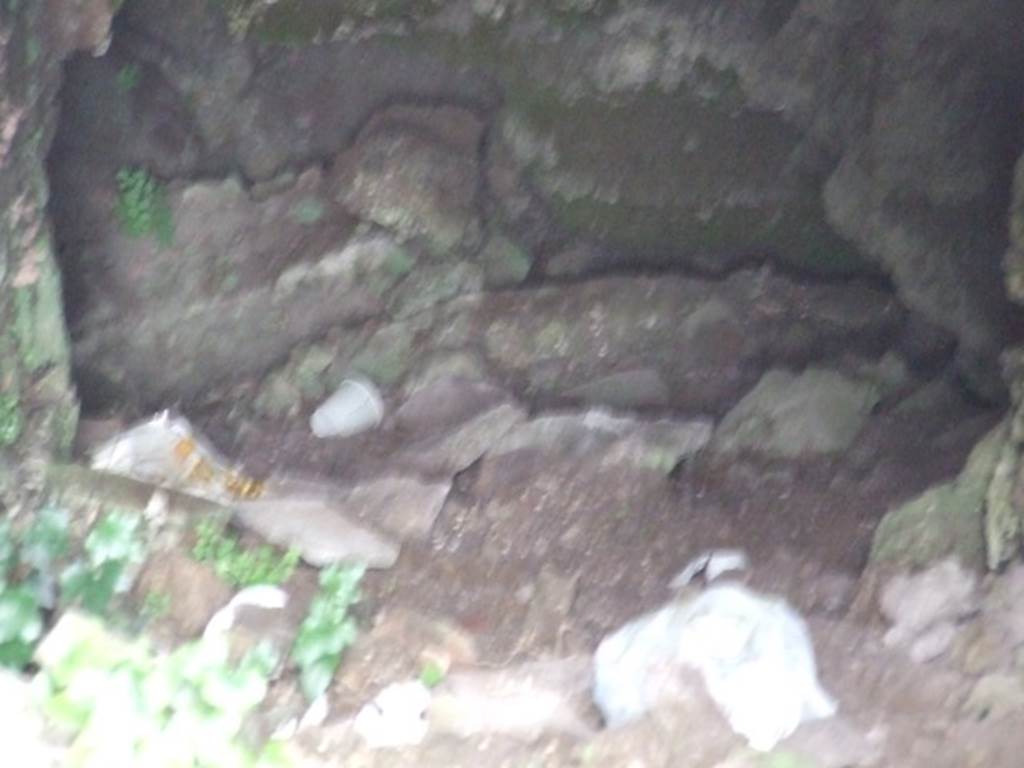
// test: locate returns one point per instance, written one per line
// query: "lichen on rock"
(948, 519)
(790, 416)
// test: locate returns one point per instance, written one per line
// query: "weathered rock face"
(505, 139)
(979, 516)
(415, 172)
(1003, 518)
(37, 404)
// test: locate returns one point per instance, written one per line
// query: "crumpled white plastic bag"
(168, 451)
(397, 716)
(753, 652)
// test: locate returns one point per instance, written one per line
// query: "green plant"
(8, 553)
(111, 548)
(128, 77)
(154, 606)
(431, 674)
(40, 548)
(123, 704)
(10, 419)
(21, 624)
(142, 207)
(35, 551)
(308, 210)
(240, 566)
(31, 579)
(327, 630)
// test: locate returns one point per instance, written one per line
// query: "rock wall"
(1004, 500)
(979, 516)
(559, 140)
(38, 410)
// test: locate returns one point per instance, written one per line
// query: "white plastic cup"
(355, 407)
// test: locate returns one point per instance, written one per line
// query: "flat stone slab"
(454, 451)
(322, 534)
(658, 445)
(791, 415)
(404, 507)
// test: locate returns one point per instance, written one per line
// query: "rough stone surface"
(504, 261)
(914, 604)
(386, 356)
(310, 374)
(788, 415)
(194, 591)
(404, 507)
(247, 307)
(524, 701)
(270, 117)
(707, 340)
(657, 445)
(946, 519)
(1014, 259)
(1004, 605)
(452, 451)
(396, 648)
(318, 530)
(640, 388)
(996, 696)
(897, 106)
(445, 402)
(415, 172)
(618, 132)
(431, 284)
(1004, 512)
(38, 410)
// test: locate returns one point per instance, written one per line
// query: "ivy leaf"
(7, 556)
(327, 629)
(46, 540)
(115, 537)
(21, 624)
(316, 677)
(91, 588)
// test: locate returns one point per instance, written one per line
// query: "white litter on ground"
(712, 563)
(753, 652)
(396, 717)
(355, 407)
(167, 451)
(260, 596)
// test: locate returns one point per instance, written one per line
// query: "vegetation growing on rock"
(10, 419)
(327, 630)
(240, 566)
(142, 207)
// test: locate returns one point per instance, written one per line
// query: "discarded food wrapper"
(753, 652)
(396, 717)
(712, 564)
(355, 407)
(165, 450)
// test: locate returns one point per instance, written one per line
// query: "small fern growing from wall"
(128, 77)
(142, 207)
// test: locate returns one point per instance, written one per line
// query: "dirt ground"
(608, 543)
(541, 557)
